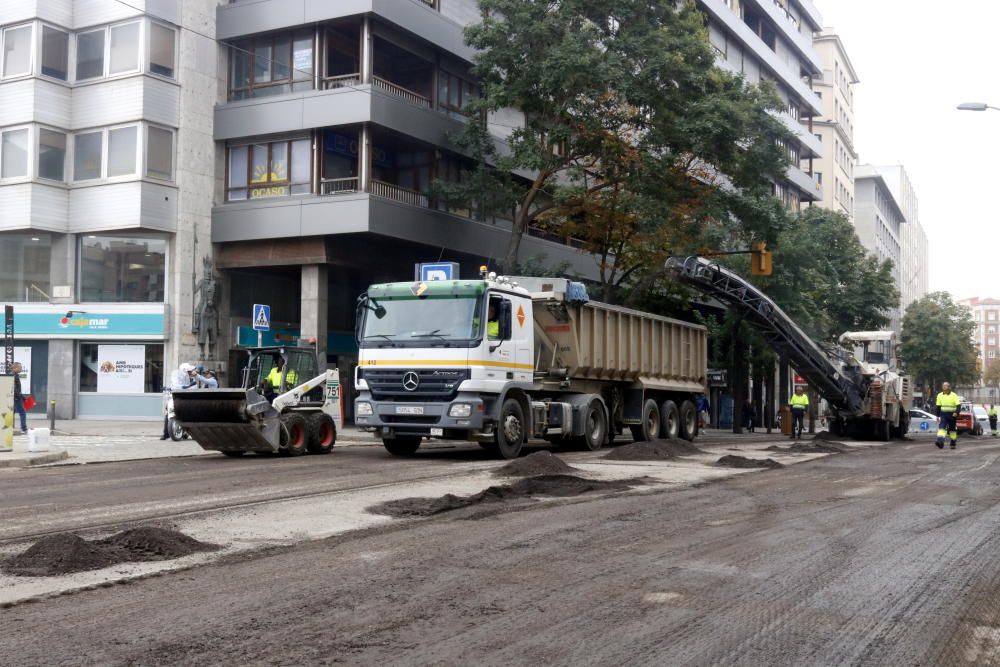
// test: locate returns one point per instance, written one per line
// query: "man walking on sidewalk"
(947, 410)
(19, 398)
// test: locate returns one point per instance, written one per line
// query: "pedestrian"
(799, 404)
(702, 405)
(749, 416)
(19, 397)
(947, 409)
(183, 378)
(207, 379)
(992, 413)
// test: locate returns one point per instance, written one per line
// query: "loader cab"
(296, 366)
(873, 348)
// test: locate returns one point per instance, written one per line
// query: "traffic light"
(760, 260)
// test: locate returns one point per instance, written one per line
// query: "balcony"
(807, 186)
(789, 29)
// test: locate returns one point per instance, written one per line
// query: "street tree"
(632, 141)
(937, 341)
(991, 376)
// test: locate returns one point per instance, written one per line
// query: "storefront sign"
(22, 355)
(60, 323)
(121, 369)
(267, 191)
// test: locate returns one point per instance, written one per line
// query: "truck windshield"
(408, 321)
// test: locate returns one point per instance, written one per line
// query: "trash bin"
(786, 419)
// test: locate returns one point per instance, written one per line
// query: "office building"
(879, 220)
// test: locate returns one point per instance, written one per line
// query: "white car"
(922, 421)
(983, 419)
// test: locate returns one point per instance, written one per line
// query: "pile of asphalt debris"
(559, 486)
(733, 461)
(538, 463)
(66, 553)
(653, 450)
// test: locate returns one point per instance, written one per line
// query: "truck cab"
(435, 356)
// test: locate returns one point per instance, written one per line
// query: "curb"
(34, 460)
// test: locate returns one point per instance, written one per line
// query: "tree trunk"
(520, 224)
(769, 384)
(758, 393)
(739, 368)
(783, 372)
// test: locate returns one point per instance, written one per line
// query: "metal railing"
(400, 92)
(396, 193)
(341, 81)
(336, 186)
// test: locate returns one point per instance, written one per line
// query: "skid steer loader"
(273, 411)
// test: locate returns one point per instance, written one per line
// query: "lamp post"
(976, 106)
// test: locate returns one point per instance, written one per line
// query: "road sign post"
(261, 320)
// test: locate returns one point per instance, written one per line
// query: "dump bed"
(588, 340)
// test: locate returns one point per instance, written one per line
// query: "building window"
(274, 169)
(125, 368)
(124, 48)
(160, 153)
(991, 341)
(14, 153)
(454, 93)
(24, 267)
(122, 146)
(122, 269)
(991, 315)
(51, 155)
(271, 65)
(55, 53)
(992, 354)
(88, 148)
(90, 55)
(162, 48)
(17, 51)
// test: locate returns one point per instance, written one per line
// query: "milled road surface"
(884, 556)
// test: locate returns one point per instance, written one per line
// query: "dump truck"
(288, 417)
(861, 379)
(502, 359)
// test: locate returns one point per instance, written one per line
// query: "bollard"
(52, 416)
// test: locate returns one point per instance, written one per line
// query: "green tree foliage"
(991, 376)
(937, 341)
(634, 141)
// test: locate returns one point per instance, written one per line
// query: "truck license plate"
(437, 431)
(409, 409)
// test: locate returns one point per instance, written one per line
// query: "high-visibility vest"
(948, 402)
(992, 412)
(799, 401)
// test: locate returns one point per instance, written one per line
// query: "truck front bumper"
(449, 421)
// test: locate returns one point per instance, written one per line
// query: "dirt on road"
(654, 450)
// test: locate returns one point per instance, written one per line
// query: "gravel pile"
(814, 447)
(654, 450)
(539, 463)
(152, 543)
(732, 461)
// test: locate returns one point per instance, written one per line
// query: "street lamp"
(976, 106)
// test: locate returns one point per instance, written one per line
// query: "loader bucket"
(221, 419)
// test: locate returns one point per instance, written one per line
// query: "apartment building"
(107, 203)
(772, 40)
(879, 220)
(914, 260)
(986, 336)
(834, 129)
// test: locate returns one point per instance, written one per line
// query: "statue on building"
(205, 322)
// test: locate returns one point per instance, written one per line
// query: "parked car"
(922, 421)
(982, 419)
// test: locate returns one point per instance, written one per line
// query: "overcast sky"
(916, 62)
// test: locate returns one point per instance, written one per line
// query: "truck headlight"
(363, 409)
(460, 410)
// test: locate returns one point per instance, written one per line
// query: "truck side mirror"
(506, 320)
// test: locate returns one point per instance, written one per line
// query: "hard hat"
(186, 367)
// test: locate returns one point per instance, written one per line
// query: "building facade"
(914, 261)
(879, 220)
(986, 314)
(835, 128)
(107, 201)
(772, 40)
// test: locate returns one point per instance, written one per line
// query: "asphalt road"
(884, 556)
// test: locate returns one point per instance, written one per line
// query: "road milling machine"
(868, 393)
(272, 412)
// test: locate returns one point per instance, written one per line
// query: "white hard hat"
(187, 368)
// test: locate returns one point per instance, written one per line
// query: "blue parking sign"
(431, 271)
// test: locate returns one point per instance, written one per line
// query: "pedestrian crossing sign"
(261, 317)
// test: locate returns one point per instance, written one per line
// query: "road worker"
(273, 380)
(799, 404)
(992, 413)
(947, 409)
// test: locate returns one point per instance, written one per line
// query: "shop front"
(106, 360)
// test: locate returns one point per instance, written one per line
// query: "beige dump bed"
(598, 341)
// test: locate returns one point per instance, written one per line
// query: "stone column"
(62, 377)
(315, 297)
(62, 269)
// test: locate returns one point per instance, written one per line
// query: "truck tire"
(403, 445)
(649, 429)
(175, 430)
(670, 417)
(321, 432)
(595, 428)
(510, 429)
(292, 434)
(688, 420)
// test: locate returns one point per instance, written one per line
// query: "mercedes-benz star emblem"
(411, 381)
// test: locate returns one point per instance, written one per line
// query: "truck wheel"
(322, 433)
(689, 420)
(404, 445)
(670, 420)
(649, 429)
(510, 429)
(595, 428)
(292, 435)
(175, 429)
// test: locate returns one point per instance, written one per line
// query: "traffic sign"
(261, 317)
(925, 425)
(429, 271)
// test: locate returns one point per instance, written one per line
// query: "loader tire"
(293, 434)
(404, 445)
(321, 432)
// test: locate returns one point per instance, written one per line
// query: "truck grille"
(432, 384)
